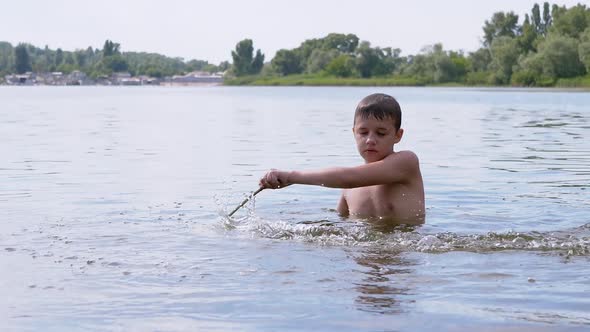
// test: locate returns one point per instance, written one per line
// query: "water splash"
(571, 242)
(231, 222)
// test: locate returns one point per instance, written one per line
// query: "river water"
(114, 212)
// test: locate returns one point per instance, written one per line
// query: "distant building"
(194, 78)
(130, 81)
(78, 78)
(21, 79)
(147, 80)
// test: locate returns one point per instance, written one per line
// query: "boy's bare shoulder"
(403, 158)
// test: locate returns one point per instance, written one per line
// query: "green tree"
(193, 65)
(319, 59)
(584, 49)
(560, 56)
(421, 67)
(244, 61)
(223, 66)
(59, 57)
(80, 57)
(389, 61)
(257, 63)
(376, 61)
(69, 59)
(460, 64)
(110, 48)
(318, 52)
(536, 19)
(547, 19)
(287, 62)
(504, 52)
(6, 57)
(115, 63)
(479, 60)
(341, 66)
(571, 22)
(557, 57)
(501, 25)
(343, 43)
(22, 60)
(367, 59)
(528, 37)
(112, 60)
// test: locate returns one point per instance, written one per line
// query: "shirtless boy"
(388, 185)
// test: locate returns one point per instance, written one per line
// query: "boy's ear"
(398, 135)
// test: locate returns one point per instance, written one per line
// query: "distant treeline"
(551, 46)
(96, 62)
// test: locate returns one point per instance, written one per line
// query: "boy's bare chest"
(371, 200)
(398, 201)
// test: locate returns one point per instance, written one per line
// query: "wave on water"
(570, 242)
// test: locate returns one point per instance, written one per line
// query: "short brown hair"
(380, 106)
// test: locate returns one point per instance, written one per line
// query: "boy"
(389, 185)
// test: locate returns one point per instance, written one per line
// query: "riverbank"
(582, 82)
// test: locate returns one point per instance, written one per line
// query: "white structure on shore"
(194, 78)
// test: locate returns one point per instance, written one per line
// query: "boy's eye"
(381, 134)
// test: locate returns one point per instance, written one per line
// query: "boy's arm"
(395, 168)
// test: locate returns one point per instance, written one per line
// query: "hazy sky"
(209, 30)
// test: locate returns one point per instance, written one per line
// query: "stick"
(245, 201)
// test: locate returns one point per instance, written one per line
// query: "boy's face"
(375, 138)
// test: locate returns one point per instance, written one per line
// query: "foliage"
(504, 52)
(97, 62)
(478, 78)
(287, 62)
(479, 60)
(341, 66)
(527, 40)
(376, 61)
(22, 62)
(551, 46)
(500, 25)
(110, 48)
(584, 49)
(577, 82)
(6, 58)
(435, 65)
(319, 59)
(571, 22)
(557, 58)
(315, 80)
(245, 62)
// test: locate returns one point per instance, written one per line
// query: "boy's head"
(379, 106)
(377, 122)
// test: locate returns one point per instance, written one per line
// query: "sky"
(209, 30)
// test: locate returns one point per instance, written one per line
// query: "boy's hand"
(275, 179)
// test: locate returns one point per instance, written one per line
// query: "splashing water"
(573, 242)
